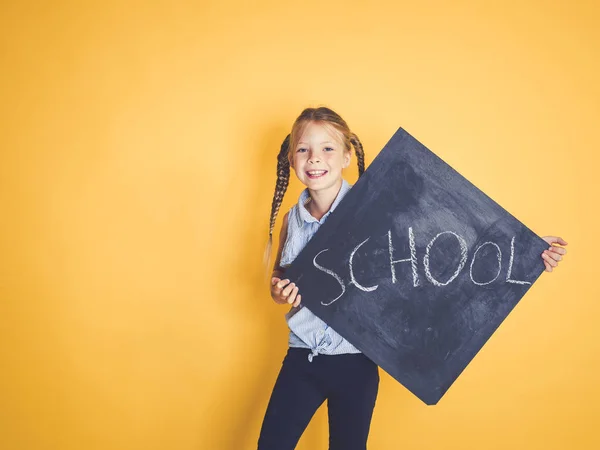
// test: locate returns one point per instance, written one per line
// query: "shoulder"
(291, 214)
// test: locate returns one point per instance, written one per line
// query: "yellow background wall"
(138, 146)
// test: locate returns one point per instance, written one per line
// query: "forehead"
(315, 133)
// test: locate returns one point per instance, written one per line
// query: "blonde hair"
(326, 117)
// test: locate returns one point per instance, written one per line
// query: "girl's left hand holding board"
(283, 292)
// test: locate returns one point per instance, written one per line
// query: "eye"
(301, 149)
(329, 148)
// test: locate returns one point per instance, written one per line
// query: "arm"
(278, 271)
(282, 291)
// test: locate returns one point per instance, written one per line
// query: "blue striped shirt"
(306, 329)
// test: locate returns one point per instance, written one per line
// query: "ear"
(347, 158)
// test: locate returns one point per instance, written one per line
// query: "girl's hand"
(282, 291)
(554, 254)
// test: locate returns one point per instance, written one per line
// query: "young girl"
(320, 364)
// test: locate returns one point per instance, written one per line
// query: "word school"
(413, 263)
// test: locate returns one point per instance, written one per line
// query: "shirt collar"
(305, 216)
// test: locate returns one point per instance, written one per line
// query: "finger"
(292, 295)
(554, 255)
(275, 280)
(553, 261)
(548, 267)
(549, 259)
(298, 300)
(557, 249)
(282, 283)
(554, 239)
(288, 289)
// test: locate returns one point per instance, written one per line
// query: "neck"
(321, 200)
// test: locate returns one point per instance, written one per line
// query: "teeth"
(316, 172)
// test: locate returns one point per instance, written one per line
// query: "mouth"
(312, 174)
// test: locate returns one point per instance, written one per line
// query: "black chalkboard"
(417, 267)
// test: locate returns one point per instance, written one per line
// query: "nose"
(314, 158)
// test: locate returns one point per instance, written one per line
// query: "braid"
(360, 153)
(283, 179)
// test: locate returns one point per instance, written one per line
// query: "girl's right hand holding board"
(282, 291)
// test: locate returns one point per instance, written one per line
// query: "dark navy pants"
(349, 382)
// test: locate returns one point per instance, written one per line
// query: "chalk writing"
(426, 264)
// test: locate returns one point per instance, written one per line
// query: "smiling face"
(319, 158)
